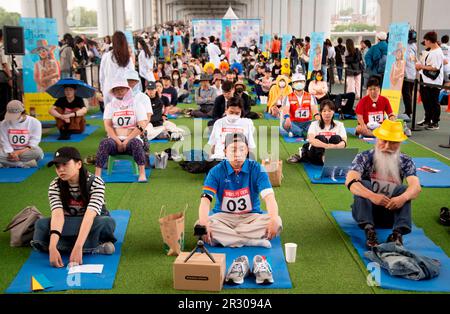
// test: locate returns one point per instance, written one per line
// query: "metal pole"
(413, 123)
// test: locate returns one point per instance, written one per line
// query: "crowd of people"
(140, 89)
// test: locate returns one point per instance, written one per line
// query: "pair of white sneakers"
(240, 268)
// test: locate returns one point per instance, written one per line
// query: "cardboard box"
(199, 272)
(274, 169)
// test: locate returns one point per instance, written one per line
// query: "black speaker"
(13, 40)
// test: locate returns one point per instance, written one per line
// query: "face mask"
(176, 77)
(233, 118)
(282, 84)
(239, 91)
(298, 86)
(319, 78)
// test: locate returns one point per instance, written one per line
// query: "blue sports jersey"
(237, 193)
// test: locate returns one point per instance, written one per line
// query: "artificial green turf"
(326, 260)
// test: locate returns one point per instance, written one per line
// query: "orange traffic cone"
(448, 103)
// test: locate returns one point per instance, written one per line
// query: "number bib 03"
(18, 138)
(124, 119)
(237, 202)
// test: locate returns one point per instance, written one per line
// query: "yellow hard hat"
(390, 131)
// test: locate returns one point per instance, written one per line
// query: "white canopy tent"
(230, 15)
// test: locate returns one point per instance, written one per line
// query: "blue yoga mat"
(38, 264)
(314, 171)
(416, 242)
(275, 257)
(173, 116)
(155, 141)
(368, 140)
(16, 175)
(433, 180)
(346, 116)
(287, 139)
(95, 116)
(74, 138)
(122, 173)
(268, 116)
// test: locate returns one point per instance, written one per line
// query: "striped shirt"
(76, 208)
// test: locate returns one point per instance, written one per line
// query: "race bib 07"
(18, 138)
(237, 201)
(124, 119)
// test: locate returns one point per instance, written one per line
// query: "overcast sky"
(15, 5)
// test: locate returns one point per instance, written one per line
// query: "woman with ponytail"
(79, 223)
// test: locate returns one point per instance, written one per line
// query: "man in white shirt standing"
(230, 124)
(433, 63)
(213, 52)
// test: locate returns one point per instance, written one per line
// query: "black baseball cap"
(151, 85)
(65, 154)
(231, 138)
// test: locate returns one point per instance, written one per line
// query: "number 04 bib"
(237, 202)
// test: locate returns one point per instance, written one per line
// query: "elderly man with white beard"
(376, 181)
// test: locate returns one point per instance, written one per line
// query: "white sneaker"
(290, 134)
(239, 269)
(262, 270)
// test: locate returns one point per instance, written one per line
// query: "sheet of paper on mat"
(86, 269)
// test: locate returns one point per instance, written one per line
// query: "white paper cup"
(291, 252)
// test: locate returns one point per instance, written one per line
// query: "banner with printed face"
(164, 47)
(242, 31)
(267, 43)
(41, 68)
(177, 45)
(395, 64)
(315, 53)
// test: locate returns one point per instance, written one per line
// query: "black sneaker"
(423, 123)
(433, 126)
(371, 238)
(444, 217)
(396, 237)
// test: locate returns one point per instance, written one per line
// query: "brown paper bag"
(172, 231)
(274, 169)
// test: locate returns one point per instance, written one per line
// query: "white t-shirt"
(146, 66)
(18, 135)
(126, 116)
(339, 129)
(214, 54)
(222, 127)
(446, 51)
(141, 98)
(435, 58)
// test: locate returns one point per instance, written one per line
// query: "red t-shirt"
(373, 112)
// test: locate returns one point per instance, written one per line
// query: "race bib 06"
(124, 119)
(18, 138)
(237, 202)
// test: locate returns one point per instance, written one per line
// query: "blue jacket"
(374, 55)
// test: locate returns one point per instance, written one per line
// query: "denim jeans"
(365, 212)
(102, 231)
(299, 129)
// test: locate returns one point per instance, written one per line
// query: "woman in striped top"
(79, 221)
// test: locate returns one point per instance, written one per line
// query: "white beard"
(387, 166)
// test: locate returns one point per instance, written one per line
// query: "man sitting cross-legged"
(237, 184)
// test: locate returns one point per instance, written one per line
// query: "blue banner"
(315, 52)
(267, 43)
(285, 48)
(129, 36)
(395, 64)
(41, 67)
(164, 46)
